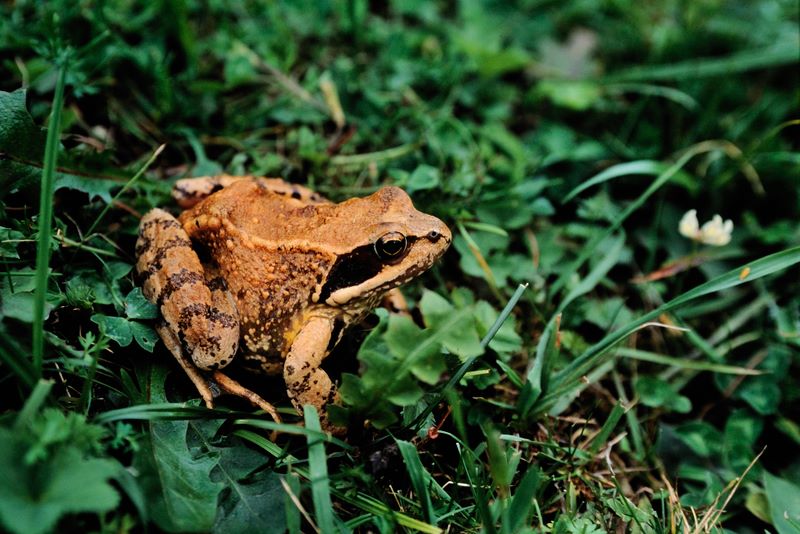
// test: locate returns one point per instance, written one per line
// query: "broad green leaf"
(138, 307)
(116, 328)
(99, 287)
(94, 187)
(784, 503)
(19, 304)
(761, 393)
(424, 177)
(403, 336)
(144, 335)
(114, 270)
(19, 136)
(176, 479)
(21, 143)
(456, 331)
(658, 393)
(626, 510)
(578, 95)
(8, 242)
(48, 468)
(253, 499)
(34, 497)
(742, 429)
(702, 438)
(506, 340)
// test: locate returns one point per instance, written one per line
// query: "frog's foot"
(189, 191)
(200, 383)
(233, 387)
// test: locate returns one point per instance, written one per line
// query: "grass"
(573, 364)
(45, 219)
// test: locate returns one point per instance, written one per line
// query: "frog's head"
(390, 243)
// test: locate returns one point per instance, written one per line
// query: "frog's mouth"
(362, 275)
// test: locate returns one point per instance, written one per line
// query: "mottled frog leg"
(233, 387)
(206, 326)
(200, 325)
(189, 191)
(395, 302)
(306, 382)
(174, 346)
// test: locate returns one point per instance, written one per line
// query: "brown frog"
(272, 274)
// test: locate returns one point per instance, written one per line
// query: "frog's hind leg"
(233, 387)
(200, 383)
(205, 323)
(189, 191)
(200, 325)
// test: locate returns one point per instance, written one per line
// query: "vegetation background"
(642, 382)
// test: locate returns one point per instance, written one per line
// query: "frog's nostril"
(434, 236)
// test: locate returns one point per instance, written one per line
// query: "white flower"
(715, 232)
(689, 225)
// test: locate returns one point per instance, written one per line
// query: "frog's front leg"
(395, 302)
(306, 382)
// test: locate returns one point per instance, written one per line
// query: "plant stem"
(125, 188)
(46, 219)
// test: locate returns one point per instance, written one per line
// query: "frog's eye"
(391, 246)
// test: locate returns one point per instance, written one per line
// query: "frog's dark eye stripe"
(358, 266)
(351, 270)
(391, 246)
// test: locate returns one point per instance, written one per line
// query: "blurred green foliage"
(537, 129)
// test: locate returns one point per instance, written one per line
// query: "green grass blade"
(566, 379)
(125, 187)
(643, 167)
(46, 219)
(308, 432)
(670, 93)
(522, 501)
(608, 427)
(419, 477)
(546, 352)
(683, 363)
(499, 466)
(159, 411)
(363, 502)
(318, 470)
(546, 349)
(472, 468)
(784, 53)
(293, 520)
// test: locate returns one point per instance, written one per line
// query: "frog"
(271, 274)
